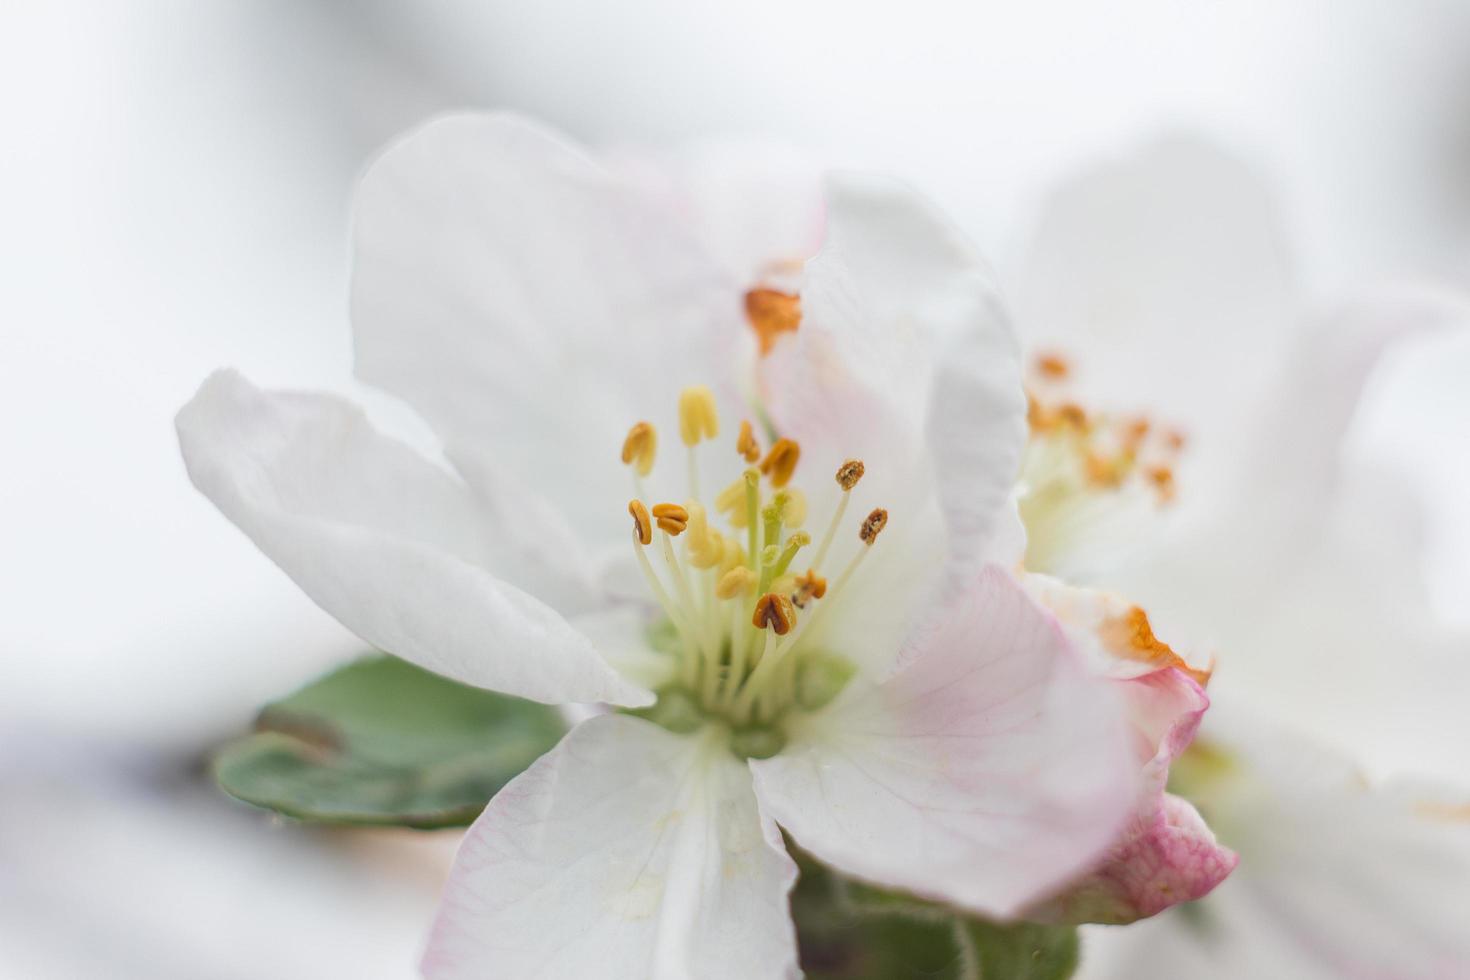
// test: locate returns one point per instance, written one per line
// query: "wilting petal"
(626, 851)
(387, 543)
(987, 771)
(532, 307)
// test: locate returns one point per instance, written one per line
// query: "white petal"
(393, 547)
(1167, 275)
(532, 307)
(976, 432)
(757, 206)
(626, 851)
(988, 770)
(904, 359)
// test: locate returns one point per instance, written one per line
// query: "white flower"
(886, 696)
(1164, 278)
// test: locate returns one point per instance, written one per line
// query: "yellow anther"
(1105, 471)
(786, 585)
(1162, 478)
(705, 545)
(873, 524)
(1053, 366)
(780, 462)
(808, 587)
(730, 554)
(849, 473)
(1072, 416)
(772, 313)
(791, 503)
(746, 445)
(737, 581)
(641, 525)
(671, 518)
(640, 447)
(731, 502)
(697, 416)
(775, 611)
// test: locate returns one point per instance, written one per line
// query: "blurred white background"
(175, 197)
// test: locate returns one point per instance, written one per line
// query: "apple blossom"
(794, 597)
(1163, 281)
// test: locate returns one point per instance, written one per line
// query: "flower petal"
(905, 359)
(987, 771)
(1166, 855)
(532, 307)
(757, 206)
(1336, 879)
(1169, 266)
(626, 851)
(390, 545)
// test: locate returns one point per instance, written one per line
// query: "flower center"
(1086, 476)
(739, 615)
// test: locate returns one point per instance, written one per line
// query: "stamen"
(1162, 478)
(671, 518)
(872, 525)
(745, 443)
(796, 542)
(780, 462)
(688, 664)
(642, 527)
(848, 475)
(791, 503)
(640, 447)
(771, 524)
(737, 581)
(752, 506)
(774, 611)
(808, 587)
(1052, 366)
(731, 502)
(697, 416)
(772, 313)
(705, 545)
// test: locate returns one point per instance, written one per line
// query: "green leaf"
(848, 930)
(380, 741)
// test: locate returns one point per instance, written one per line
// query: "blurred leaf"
(852, 931)
(380, 741)
(1023, 950)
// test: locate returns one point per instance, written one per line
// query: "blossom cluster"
(785, 502)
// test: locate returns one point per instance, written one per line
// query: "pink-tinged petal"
(987, 771)
(532, 306)
(1116, 634)
(626, 851)
(1166, 855)
(1337, 880)
(904, 359)
(393, 547)
(1165, 708)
